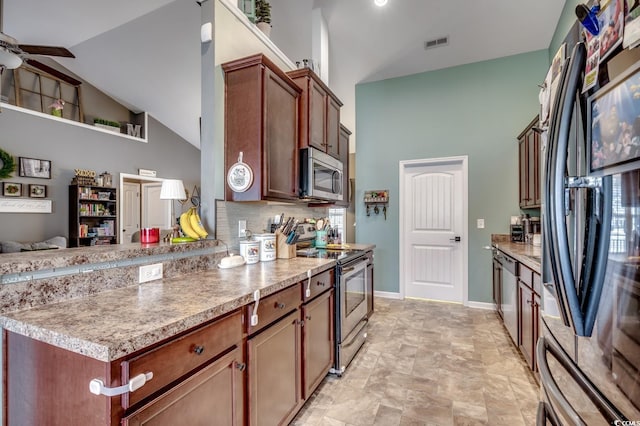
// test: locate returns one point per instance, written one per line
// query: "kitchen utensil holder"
(284, 250)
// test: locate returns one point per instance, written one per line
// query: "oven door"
(353, 295)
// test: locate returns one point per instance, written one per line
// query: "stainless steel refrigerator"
(589, 350)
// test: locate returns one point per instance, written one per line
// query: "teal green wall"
(476, 110)
(566, 21)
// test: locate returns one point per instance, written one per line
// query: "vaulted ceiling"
(146, 53)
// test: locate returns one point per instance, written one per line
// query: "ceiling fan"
(13, 54)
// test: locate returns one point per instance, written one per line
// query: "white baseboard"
(387, 295)
(480, 305)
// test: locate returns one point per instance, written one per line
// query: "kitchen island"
(191, 337)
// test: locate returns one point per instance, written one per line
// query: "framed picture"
(37, 191)
(613, 127)
(11, 189)
(31, 167)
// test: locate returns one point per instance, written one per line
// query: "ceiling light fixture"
(380, 3)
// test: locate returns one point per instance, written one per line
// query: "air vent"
(436, 42)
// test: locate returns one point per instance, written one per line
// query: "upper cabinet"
(319, 113)
(343, 148)
(529, 166)
(261, 122)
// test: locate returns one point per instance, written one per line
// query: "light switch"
(480, 223)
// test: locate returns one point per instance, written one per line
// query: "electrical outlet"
(150, 272)
(242, 228)
(480, 223)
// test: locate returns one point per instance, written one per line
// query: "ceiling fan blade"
(54, 72)
(46, 50)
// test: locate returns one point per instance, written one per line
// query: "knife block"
(284, 250)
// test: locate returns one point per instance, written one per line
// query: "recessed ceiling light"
(380, 3)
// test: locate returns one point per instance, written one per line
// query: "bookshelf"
(93, 215)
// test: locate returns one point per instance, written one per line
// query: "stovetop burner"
(342, 256)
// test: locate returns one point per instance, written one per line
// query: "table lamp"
(173, 189)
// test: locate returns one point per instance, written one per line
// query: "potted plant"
(112, 126)
(263, 16)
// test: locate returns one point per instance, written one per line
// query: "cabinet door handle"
(280, 305)
(321, 283)
(198, 350)
(241, 366)
(308, 317)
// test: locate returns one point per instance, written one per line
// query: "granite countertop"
(116, 323)
(528, 254)
(11, 263)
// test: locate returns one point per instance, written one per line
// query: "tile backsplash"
(257, 215)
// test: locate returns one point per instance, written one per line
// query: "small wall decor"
(376, 198)
(31, 167)
(84, 177)
(25, 205)
(12, 189)
(37, 191)
(7, 164)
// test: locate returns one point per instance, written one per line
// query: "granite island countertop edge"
(115, 323)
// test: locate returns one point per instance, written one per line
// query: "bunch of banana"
(191, 225)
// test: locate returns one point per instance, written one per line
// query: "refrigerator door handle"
(556, 232)
(546, 346)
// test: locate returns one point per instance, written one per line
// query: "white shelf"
(78, 124)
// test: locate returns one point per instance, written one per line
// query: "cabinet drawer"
(176, 358)
(273, 307)
(526, 275)
(319, 284)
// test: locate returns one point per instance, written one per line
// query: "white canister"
(267, 246)
(250, 250)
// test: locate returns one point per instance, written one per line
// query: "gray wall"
(71, 147)
(476, 110)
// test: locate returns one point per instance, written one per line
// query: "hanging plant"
(7, 163)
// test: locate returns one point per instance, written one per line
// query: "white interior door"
(433, 215)
(130, 210)
(155, 212)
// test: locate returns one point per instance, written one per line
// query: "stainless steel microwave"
(320, 175)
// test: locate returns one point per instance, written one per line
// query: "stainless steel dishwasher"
(509, 293)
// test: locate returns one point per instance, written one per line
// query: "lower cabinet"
(215, 392)
(274, 372)
(317, 341)
(529, 313)
(289, 354)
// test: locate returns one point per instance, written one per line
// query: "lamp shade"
(172, 189)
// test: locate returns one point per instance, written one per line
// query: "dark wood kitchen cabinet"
(319, 113)
(317, 341)
(529, 313)
(195, 374)
(343, 143)
(261, 122)
(529, 166)
(290, 350)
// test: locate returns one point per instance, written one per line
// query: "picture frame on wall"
(11, 189)
(37, 191)
(34, 168)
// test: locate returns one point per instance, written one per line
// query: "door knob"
(456, 239)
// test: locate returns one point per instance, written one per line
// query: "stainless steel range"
(351, 300)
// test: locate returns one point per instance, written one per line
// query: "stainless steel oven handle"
(355, 268)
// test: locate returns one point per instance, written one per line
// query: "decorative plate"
(240, 176)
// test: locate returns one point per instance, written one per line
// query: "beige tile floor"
(429, 363)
